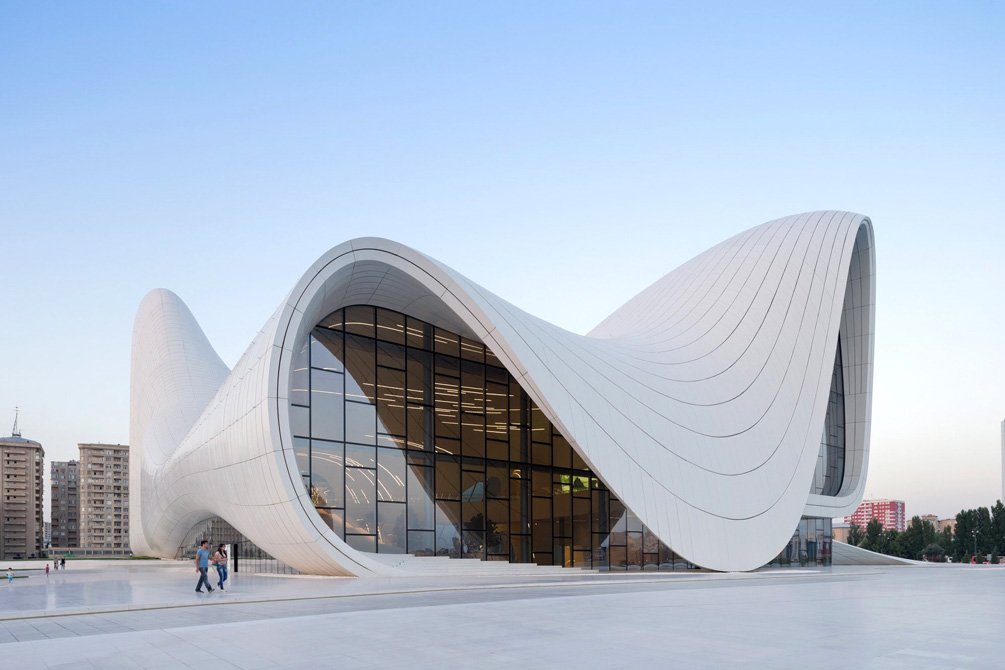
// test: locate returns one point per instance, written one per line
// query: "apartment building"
(65, 499)
(890, 513)
(21, 523)
(103, 476)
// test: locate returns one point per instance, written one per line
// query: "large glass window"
(414, 439)
(829, 473)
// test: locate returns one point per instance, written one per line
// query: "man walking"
(202, 566)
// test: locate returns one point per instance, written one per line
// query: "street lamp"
(974, 533)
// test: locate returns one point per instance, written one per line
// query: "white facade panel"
(699, 403)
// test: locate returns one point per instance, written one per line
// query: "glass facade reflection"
(810, 544)
(829, 473)
(413, 439)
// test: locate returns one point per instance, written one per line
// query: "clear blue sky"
(564, 155)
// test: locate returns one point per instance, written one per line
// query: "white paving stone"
(909, 617)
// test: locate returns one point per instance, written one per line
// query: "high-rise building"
(890, 513)
(65, 514)
(21, 523)
(47, 534)
(104, 498)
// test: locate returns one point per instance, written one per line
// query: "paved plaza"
(131, 614)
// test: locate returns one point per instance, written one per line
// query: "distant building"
(938, 523)
(104, 499)
(46, 535)
(839, 532)
(22, 530)
(890, 513)
(65, 510)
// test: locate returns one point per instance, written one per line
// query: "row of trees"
(982, 529)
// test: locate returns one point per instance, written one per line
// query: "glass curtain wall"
(413, 439)
(810, 544)
(829, 473)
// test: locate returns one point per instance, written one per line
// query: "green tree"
(945, 539)
(873, 536)
(974, 530)
(855, 535)
(985, 535)
(929, 533)
(966, 524)
(895, 544)
(934, 552)
(890, 543)
(912, 540)
(998, 526)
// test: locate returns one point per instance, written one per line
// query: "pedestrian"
(202, 566)
(220, 561)
(62, 564)
(10, 575)
(46, 569)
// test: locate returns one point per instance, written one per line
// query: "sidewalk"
(119, 586)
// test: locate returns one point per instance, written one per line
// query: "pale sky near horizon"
(564, 155)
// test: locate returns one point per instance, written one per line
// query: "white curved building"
(392, 406)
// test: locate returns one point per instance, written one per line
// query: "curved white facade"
(700, 402)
